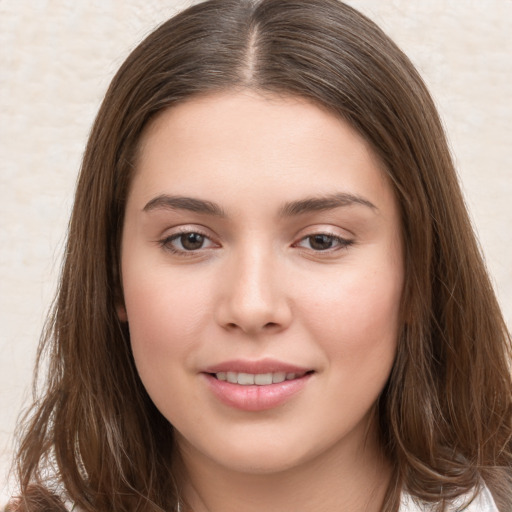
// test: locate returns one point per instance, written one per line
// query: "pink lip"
(253, 397)
(260, 366)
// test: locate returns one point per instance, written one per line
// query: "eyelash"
(343, 243)
(166, 243)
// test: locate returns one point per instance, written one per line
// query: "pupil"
(321, 242)
(192, 241)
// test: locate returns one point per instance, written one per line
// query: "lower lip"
(253, 397)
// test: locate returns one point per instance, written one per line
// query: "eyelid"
(165, 241)
(343, 242)
(176, 233)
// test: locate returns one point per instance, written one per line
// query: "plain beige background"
(56, 60)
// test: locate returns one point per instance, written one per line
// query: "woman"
(272, 296)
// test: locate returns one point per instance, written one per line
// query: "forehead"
(248, 113)
(229, 143)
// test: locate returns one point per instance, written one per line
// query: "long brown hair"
(94, 436)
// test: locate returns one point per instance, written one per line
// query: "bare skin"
(262, 239)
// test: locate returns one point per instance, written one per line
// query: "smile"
(258, 379)
(254, 386)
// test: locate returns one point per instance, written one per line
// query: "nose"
(254, 298)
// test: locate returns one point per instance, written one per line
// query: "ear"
(121, 313)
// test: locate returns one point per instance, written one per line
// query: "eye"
(323, 242)
(184, 242)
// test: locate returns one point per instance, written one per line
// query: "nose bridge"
(253, 278)
(255, 297)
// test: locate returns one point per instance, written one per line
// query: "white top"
(483, 502)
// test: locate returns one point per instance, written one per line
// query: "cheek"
(165, 318)
(164, 314)
(358, 317)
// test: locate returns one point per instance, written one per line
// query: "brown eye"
(186, 242)
(324, 242)
(321, 242)
(191, 241)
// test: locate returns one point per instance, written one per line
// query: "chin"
(254, 455)
(262, 462)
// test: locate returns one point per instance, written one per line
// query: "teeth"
(278, 377)
(245, 379)
(260, 379)
(263, 379)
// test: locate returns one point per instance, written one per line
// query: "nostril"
(267, 326)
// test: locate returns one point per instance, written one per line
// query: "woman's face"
(262, 271)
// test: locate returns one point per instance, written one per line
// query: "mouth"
(258, 379)
(253, 386)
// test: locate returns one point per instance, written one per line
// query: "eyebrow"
(166, 202)
(293, 208)
(328, 202)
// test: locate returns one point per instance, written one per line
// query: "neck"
(347, 478)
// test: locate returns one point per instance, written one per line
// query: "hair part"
(445, 415)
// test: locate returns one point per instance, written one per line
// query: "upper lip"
(255, 367)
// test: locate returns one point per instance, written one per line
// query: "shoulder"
(483, 502)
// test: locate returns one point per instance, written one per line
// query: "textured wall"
(56, 59)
